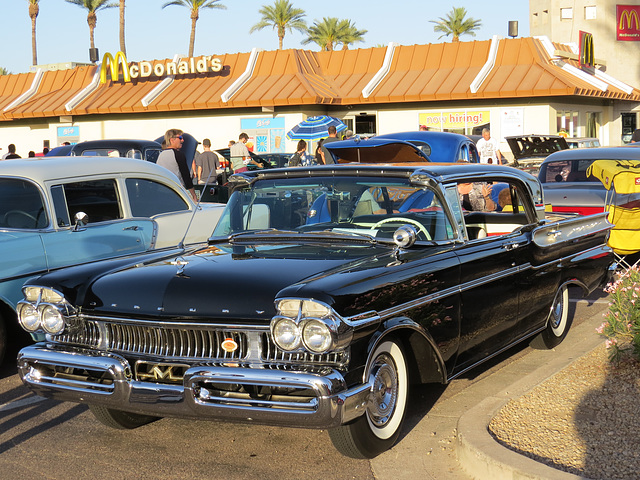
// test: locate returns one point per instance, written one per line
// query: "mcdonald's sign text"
(628, 23)
(114, 64)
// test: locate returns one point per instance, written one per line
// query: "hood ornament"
(180, 263)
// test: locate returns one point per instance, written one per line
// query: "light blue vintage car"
(57, 212)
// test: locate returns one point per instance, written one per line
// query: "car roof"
(114, 143)
(41, 169)
(596, 153)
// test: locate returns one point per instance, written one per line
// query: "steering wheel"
(415, 223)
(20, 213)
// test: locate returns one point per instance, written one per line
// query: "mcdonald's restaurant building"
(512, 85)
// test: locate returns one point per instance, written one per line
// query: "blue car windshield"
(373, 206)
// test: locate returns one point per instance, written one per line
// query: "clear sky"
(156, 33)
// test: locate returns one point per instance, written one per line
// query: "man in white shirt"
(488, 149)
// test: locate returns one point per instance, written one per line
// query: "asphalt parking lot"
(41, 438)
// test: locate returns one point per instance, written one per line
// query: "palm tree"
(326, 34)
(281, 16)
(195, 6)
(455, 24)
(34, 9)
(350, 34)
(123, 48)
(92, 7)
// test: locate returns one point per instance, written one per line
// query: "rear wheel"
(559, 321)
(119, 419)
(378, 429)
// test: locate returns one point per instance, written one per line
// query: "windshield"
(344, 205)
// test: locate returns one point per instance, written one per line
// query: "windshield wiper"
(293, 235)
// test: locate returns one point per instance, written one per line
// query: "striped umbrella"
(314, 128)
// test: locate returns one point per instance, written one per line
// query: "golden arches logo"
(109, 61)
(629, 16)
(587, 57)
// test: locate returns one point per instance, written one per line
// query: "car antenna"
(195, 210)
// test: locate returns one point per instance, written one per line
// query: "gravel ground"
(583, 420)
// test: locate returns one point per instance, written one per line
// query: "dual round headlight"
(44, 317)
(314, 334)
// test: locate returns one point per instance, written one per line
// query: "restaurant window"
(593, 124)
(567, 123)
(566, 13)
(365, 125)
(590, 12)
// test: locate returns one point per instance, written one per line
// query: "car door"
(494, 269)
(107, 233)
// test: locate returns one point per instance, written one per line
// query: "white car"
(62, 211)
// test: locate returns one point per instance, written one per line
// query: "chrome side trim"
(399, 309)
(171, 324)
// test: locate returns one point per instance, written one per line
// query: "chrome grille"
(189, 343)
(158, 340)
(271, 353)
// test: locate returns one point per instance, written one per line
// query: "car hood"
(222, 282)
(535, 146)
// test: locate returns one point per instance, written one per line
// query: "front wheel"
(559, 321)
(378, 429)
(119, 419)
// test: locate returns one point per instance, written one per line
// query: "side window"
(21, 205)
(148, 198)
(97, 198)
(133, 153)
(151, 155)
(492, 208)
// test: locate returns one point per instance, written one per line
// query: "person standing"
(240, 156)
(12, 153)
(207, 165)
(488, 149)
(297, 159)
(333, 137)
(174, 160)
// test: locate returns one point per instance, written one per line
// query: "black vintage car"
(323, 293)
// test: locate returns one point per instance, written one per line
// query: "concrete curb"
(483, 457)
(480, 455)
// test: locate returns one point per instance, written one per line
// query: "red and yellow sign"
(628, 23)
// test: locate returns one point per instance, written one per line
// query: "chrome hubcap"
(384, 393)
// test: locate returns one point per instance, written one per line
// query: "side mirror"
(405, 236)
(80, 221)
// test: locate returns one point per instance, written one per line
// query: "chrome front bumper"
(101, 378)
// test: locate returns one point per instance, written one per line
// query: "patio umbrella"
(314, 128)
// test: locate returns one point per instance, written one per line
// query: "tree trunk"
(123, 48)
(92, 20)
(34, 9)
(34, 50)
(192, 38)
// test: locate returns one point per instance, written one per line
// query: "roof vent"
(380, 74)
(242, 79)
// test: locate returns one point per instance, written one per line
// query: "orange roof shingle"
(418, 73)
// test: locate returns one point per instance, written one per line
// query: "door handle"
(132, 227)
(510, 246)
